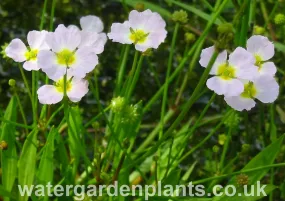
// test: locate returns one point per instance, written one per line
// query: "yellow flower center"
(138, 36)
(258, 61)
(60, 85)
(249, 91)
(226, 72)
(65, 57)
(31, 55)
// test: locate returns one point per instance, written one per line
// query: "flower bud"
(180, 17)
(257, 30)
(242, 180)
(3, 145)
(279, 19)
(222, 139)
(189, 37)
(245, 148)
(139, 7)
(130, 114)
(226, 35)
(216, 149)
(118, 104)
(12, 82)
(233, 120)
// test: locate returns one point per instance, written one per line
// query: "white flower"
(91, 34)
(18, 51)
(144, 29)
(264, 88)
(263, 50)
(228, 73)
(51, 94)
(66, 55)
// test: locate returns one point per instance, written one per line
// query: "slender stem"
(267, 20)
(16, 124)
(21, 108)
(169, 65)
(52, 15)
(96, 117)
(238, 172)
(204, 140)
(122, 68)
(26, 84)
(226, 146)
(136, 78)
(43, 19)
(131, 73)
(53, 115)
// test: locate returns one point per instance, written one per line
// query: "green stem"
(21, 109)
(131, 73)
(204, 140)
(238, 172)
(122, 68)
(52, 15)
(169, 65)
(26, 84)
(225, 149)
(136, 78)
(43, 19)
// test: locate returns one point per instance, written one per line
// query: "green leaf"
(45, 170)
(149, 5)
(5, 193)
(279, 46)
(9, 157)
(194, 10)
(27, 162)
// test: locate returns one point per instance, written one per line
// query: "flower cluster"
(68, 54)
(245, 75)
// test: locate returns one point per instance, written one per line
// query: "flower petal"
(268, 68)
(31, 65)
(267, 89)
(120, 33)
(16, 50)
(48, 63)
(260, 46)
(73, 27)
(78, 90)
(206, 56)
(91, 23)
(139, 20)
(63, 38)
(243, 62)
(48, 94)
(36, 40)
(88, 38)
(239, 103)
(85, 62)
(232, 87)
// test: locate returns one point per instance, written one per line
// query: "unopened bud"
(139, 7)
(3, 145)
(245, 148)
(226, 35)
(233, 120)
(242, 180)
(3, 50)
(180, 17)
(12, 82)
(279, 19)
(257, 30)
(216, 149)
(118, 104)
(222, 139)
(189, 37)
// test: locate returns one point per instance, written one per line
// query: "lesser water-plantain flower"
(144, 29)
(264, 88)
(263, 50)
(75, 89)
(18, 51)
(66, 55)
(228, 73)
